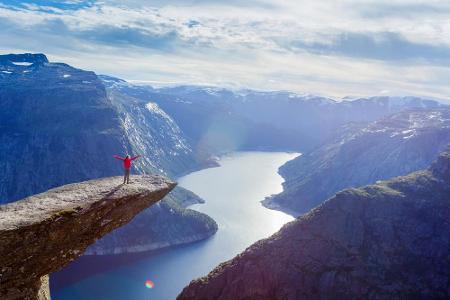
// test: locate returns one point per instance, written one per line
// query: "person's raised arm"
(133, 158)
(118, 157)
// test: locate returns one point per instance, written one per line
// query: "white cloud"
(295, 45)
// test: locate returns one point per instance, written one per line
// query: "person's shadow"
(113, 191)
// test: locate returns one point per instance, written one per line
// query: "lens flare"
(149, 284)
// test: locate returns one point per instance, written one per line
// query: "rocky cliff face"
(152, 133)
(43, 233)
(63, 126)
(384, 241)
(59, 124)
(362, 154)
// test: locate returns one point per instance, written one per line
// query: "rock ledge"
(43, 233)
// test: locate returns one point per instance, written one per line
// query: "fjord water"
(233, 193)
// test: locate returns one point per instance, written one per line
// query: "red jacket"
(126, 161)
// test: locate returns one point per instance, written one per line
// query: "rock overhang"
(43, 233)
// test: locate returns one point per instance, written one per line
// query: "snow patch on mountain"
(153, 107)
(22, 63)
(411, 126)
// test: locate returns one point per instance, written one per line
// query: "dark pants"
(126, 177)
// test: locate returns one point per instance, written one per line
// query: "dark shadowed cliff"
(390, 240)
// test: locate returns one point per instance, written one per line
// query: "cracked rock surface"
(390, 240)
(43, 233)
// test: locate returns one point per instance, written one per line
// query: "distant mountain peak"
(25, 58)
(107, 78)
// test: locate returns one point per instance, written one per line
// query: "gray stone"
(45, 232)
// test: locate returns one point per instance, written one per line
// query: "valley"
(60, 125)
(233, 193)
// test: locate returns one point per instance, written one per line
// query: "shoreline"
(148, 248)
(268, 201)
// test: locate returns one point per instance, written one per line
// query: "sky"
(328, 47)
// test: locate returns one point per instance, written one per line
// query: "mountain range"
(218, 120)
(60, 124)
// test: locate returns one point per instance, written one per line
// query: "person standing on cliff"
(126, 165)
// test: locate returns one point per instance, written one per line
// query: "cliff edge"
(384, 241)
(43, 233)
